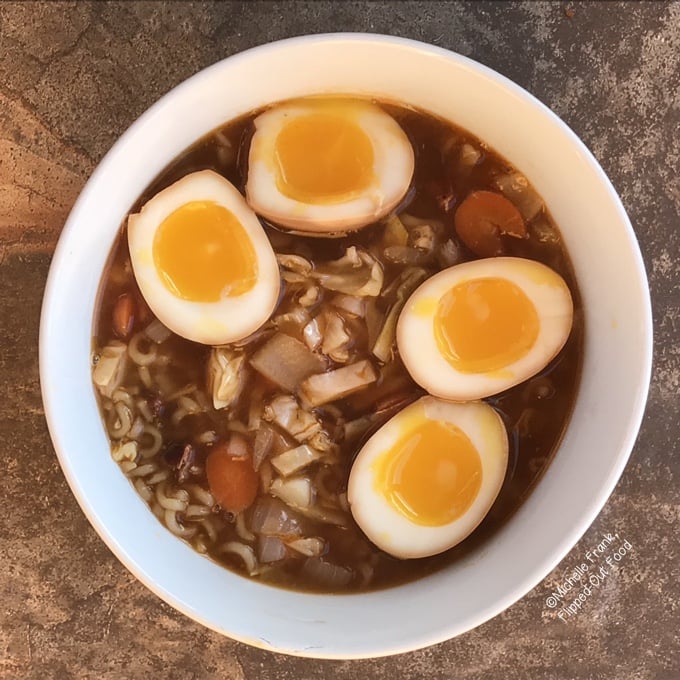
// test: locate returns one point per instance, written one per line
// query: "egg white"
(211, 323)
(417, 341)
(393, 167)
(386, 526)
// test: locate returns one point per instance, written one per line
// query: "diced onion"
(295, 459)
(326, 515)
(262, 446)
(157, 332)
(326, 574)
(270, 549)
(272, 517)
(295, 491)
(309, 547)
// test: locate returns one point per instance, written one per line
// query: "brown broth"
(535, 413)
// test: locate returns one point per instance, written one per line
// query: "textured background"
(72, 79)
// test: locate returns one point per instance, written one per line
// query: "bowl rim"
(527, 581)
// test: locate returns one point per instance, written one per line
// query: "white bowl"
(591, 457)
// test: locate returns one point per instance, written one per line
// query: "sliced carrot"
(482, 218)
(233, 482)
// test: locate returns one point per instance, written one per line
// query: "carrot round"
(233, 482)
(482, 218)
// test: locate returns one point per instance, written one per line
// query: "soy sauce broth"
(535, 413)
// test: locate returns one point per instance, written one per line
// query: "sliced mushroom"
(109, 372)
(423, 238)
(225, 376)
(322, 442)
(326, 387)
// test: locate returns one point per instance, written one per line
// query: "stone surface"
(73, 76)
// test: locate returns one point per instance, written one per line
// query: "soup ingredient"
(124, 316)
(384, 343)
(295, 459)
(355, 273)
(286, 361)
(232, 480)
(324, 166)
(174, 402)
(110, 367)
(285, 412)
(202, 260)
(294, 491)
(483, 218)
(517, 189)
(478, 328)
(326, 387)
(225, 375)
(427, 478)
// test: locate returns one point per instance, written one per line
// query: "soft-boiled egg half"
(480, 327)
(203, 261)
(427, 478)
(327, 165)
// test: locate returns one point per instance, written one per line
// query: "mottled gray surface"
(74, 76)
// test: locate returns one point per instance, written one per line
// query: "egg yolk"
(202, 253)
(485, 325)
(431, 475)
(323, 157)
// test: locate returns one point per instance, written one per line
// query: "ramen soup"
(337, 343)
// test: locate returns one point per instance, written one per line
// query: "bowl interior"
(591, 457)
